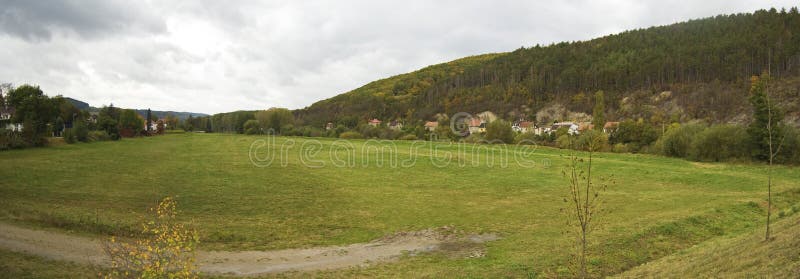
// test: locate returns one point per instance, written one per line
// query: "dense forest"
(698, 69)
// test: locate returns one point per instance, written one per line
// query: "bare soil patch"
(84, 250)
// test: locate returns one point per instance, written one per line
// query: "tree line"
(35, 117)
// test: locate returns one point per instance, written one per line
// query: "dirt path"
(83, 250)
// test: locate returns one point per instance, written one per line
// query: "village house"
(482, 128)
(585, 126)
(541, 130)
(374, 122)
(154, 124)
(93, 116)
(396, 125)
(477, 125)
(329, 126)
(430, 126)
(571, 126)
(5, 117)
(610, 127)
(6, 113)
(523, 126)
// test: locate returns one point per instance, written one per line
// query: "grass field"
(657, 206)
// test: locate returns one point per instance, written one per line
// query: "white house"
(6, 113)
(573, 128)
(477, 125)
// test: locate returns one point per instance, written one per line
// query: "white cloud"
(217, 56)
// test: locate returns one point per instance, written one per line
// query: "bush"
(499, 131)
(16, 141)
(474, 138)
(351, 135)
(165, 247)
(720, 143)
(251, 127)
(635, 134)
(80, 131)
(565, 142)
(592, 140)
(409, 137)
(289, 130)
(790, 148)
(527, 138)
(69, 136)
(677, 142)
(11, 140)
(99, 136)
(619, 148)
(386, 133)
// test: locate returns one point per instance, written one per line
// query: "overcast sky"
(218, 56)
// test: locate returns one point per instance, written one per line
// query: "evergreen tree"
(149, 120)
(598, 113)
(767, 119)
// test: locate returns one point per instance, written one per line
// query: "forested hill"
(695, 69)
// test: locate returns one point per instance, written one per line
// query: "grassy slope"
(657, 206)
(746, 256)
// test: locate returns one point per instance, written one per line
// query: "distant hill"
(78, 104)
(162, 114)
(698, 69)
(143, 112)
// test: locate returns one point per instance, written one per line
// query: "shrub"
(619, 148)
(99, 136)
(499, 131)
(127, 133)
(81, 131)
(790, 148)
(69, 136)
(4, 138)
(387, 133)
(314, 132)
(527, 138)
(351, 135)
(11, 140)
(251, 127)
(16, 141)
(677, 142)
(164, 249)
(565, 142)
(635, 134)
(592, 140)
(474, 138)
(409, 137)
(720, 143)
(289, 130)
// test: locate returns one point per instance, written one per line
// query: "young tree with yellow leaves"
(164, 249)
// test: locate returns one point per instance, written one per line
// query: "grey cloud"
(216, 56)
(39, 20)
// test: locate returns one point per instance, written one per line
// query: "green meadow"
(653, 207)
